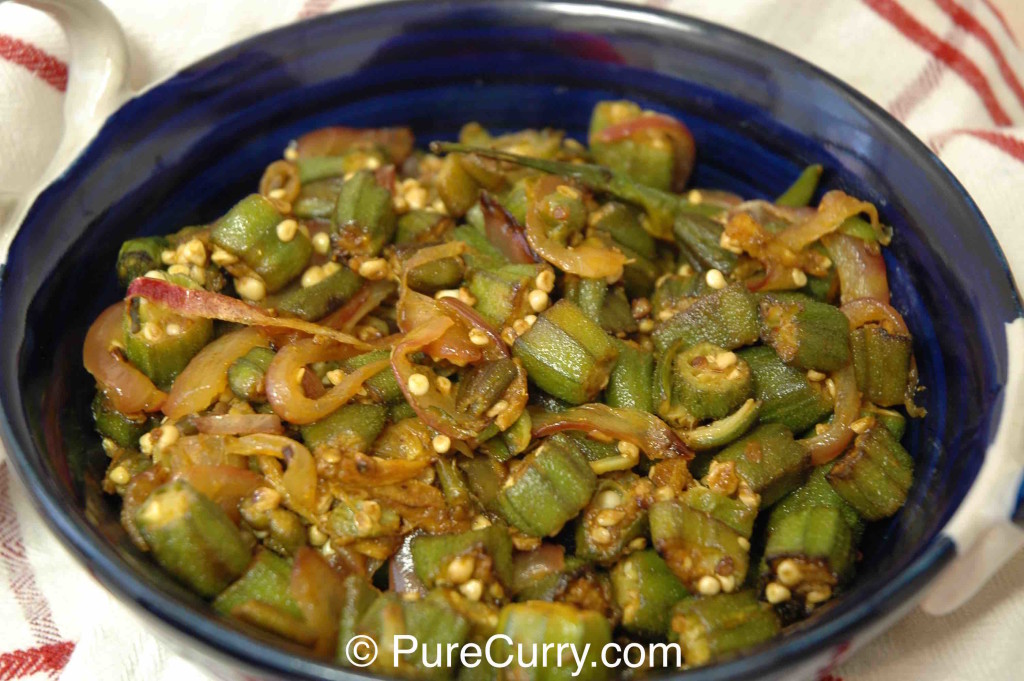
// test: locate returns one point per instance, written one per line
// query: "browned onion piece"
(871, 311)
(652, 435)
(239, 424)
(830, 444)
(860, 267)
(507, 235)
(127, 388)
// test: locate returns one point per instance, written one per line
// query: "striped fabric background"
(951, 70)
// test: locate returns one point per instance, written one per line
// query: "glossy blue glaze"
(181, 153)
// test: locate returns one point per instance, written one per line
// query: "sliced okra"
(352, 428)
(539, 623)
(805, 333)
(123, 429)
(615, 518)
(727, 317)
(138, 256)
(882, 363)
(364, 219)
(875, 475)
(701, 382)
(786, 394)
(471, 561)
(631, 381)
(768, 462)
(502, 293)
(245, 375)
(646, 591)
(710, 629)
(352, 519)
(319, 300)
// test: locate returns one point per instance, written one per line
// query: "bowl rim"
(103, 562)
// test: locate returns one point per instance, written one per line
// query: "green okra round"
(874, 476)
(805, 333)
(364, 218)
(703, 382)
(139, 256)
(646, 591)
(710, 629)
(881, 362)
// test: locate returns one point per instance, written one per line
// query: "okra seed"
(120, 475)
(173, 329)
(316, 536)
(610, 517)
(730, 244)
(715, 279)
(628, 449)
(530, 320)
(222, 257)
(438, 207)
(728, 583)
(330, 456)
(813, 375)
(664, 493)
(819, 595)
(640, 308)
(638, 544)
(861, 425)
(335, 376)
(277, 194)
(695, 197)
(608, 499)
(291, 152)
(330, 268)
(419, 385)
(146, 444)
(480, 522)
(151, 331)
(734, 374)
(400, 204)
(509, 334)
(744, 543)
(286, 230)
(497, 408)
(444, 385)
(312, 276)
(820, 428)
(251, 288)
(539, 300)
(300, 374)
(168, 257)
(109, 446)
(195, 252)
(708, 586)
(830, 385)
(466, 297)
(545, 281)
(372, 163)
(725, 360)
(321, 243)
(567, 191)
(519, 327)
(441, 443)
(374, 269)
(665, 315)
(178, 269)
(789, 572)
(646, 325)
(775, 593)
(473, 589)
(156, 274)
(629, 612)
(447, 293)
(479, 338)
(799, 278)
(601, 535)
(685, 270)
(168, 436)
(461, 569)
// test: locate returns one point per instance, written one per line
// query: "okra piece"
(400, 411)
(536, 624)
(809, 553)
(352, 428)
(502, 292)
(245, 375)
(436, 275)
(675, 292)
(313, 168)
(318, 199)
(881, 362)
(266, 580)
(614, 518)
(421, 227)
(352, 519)
(359, 596)
(455, 560)
(647, 157)
(456, 187)
(364, 220)
(631, 381)
(192, 538)
(701, 382)
(482, 385)
(875, 475)
(566, 354)
(705, 553)
(124, 429)
(616, 313)
(592, 450)
(160, 342)
(482, 254)
(510, 442)
(249, 232)
(818, 492)
(733, 512)
(699, 238)
(609, 306)
(383, 386)
(622, 224)
(805, 333)
(802, 190)
(710, 629)
(723, 431)
(485, 478)
(431, 620)
(786, 395)
(452, 482)
(727, 318)
(768, 462)
(646, 591)
(138, 256)
(891, 419)
(546, 490)
(319, 300)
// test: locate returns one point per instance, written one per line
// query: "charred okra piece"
(709, 629)
(882, 363)
(646, 591)
(805, 333)
(352, 428)
(364, 220)
(768, 463)
(192, 538)
(245, 375)
(546, 490)
(138, 256)
(502, 293)
(786, 394)
(802, 190)
(320, 299)
(282, 530)
(631, 381)
(538, 623)
(383, 386)
(421, 227)
(891, 419)
(482, 385)
(875, 475)
(615, 520)
(160, 342)
(701, 382)
(352, 519)
(698, 538)
(124, 429)
(473, 561)
(249, 232)
(432, 621)
(727, 318)
(566, 354)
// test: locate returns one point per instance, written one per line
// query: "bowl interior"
(182, 153)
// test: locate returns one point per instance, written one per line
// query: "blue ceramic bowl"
(182, 152)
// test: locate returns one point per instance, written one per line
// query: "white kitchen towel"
(952, 70)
